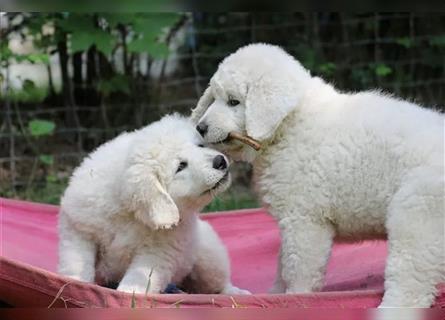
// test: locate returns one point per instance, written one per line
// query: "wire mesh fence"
(399, 53)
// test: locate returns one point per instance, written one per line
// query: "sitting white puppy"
(129, 214)
(333, 164)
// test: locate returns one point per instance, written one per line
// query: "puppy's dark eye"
(233, 102)
(201, 145)
(182, 166)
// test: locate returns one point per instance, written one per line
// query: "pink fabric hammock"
(28, 262)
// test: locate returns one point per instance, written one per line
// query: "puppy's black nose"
(219, 163)
(202, 128)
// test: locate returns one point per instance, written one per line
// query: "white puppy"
(129, 214)
(351, 165)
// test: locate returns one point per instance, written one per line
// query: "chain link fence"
(402, 54)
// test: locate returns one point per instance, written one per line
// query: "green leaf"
(151, 24)
(81, 41)
(405, 42)
(51, 178)
(39, 128)
(46, 159)
(382, 70)
(5, 52)
(76, 22)
(327, 68)
(154, 48)
(117, 83)
(149, 27)
(158, 50)
(38, 58)
(84, 33)
(115, 19)
(33, 58)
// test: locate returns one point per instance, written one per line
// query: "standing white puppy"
(129, 214)
(332, 164)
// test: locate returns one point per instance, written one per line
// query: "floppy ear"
(204, 102)
(268, 102)
(144, 194)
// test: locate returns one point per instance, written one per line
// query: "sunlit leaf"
(39, 128)
(38, 58)
(51, 178)
(46, 159)
(382, 70)
(117, 83)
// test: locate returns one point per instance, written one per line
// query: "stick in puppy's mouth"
(245, 139)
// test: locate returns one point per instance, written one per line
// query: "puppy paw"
(231, 289)
(138, 289)
(75, 277)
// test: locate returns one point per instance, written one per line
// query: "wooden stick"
(245, 139)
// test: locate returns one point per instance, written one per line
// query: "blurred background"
(70, 81)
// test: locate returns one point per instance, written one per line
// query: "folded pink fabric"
(28, 275)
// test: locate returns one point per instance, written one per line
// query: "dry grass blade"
(58, 295)
(149, 281)
(133, 301)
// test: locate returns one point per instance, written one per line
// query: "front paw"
(76, 277)
(134, 288)
(232, 290)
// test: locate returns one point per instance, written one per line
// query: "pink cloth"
(29, 260)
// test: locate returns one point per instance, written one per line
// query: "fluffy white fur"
(128, 216)
(333, 164)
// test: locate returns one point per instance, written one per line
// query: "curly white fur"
(128, 216)
(348, 165)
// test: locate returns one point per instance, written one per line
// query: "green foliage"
(138, 32)
(39, 128)
(406, 42)
(361, 76)
(46, 159)
(82, 41)
(156, 50)
(382, 70)
(42, 58)
(327, 68)
(48, 191)
(28, 93)
(117, 83)
(135, 33)
(148, 27)
(232, 200)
